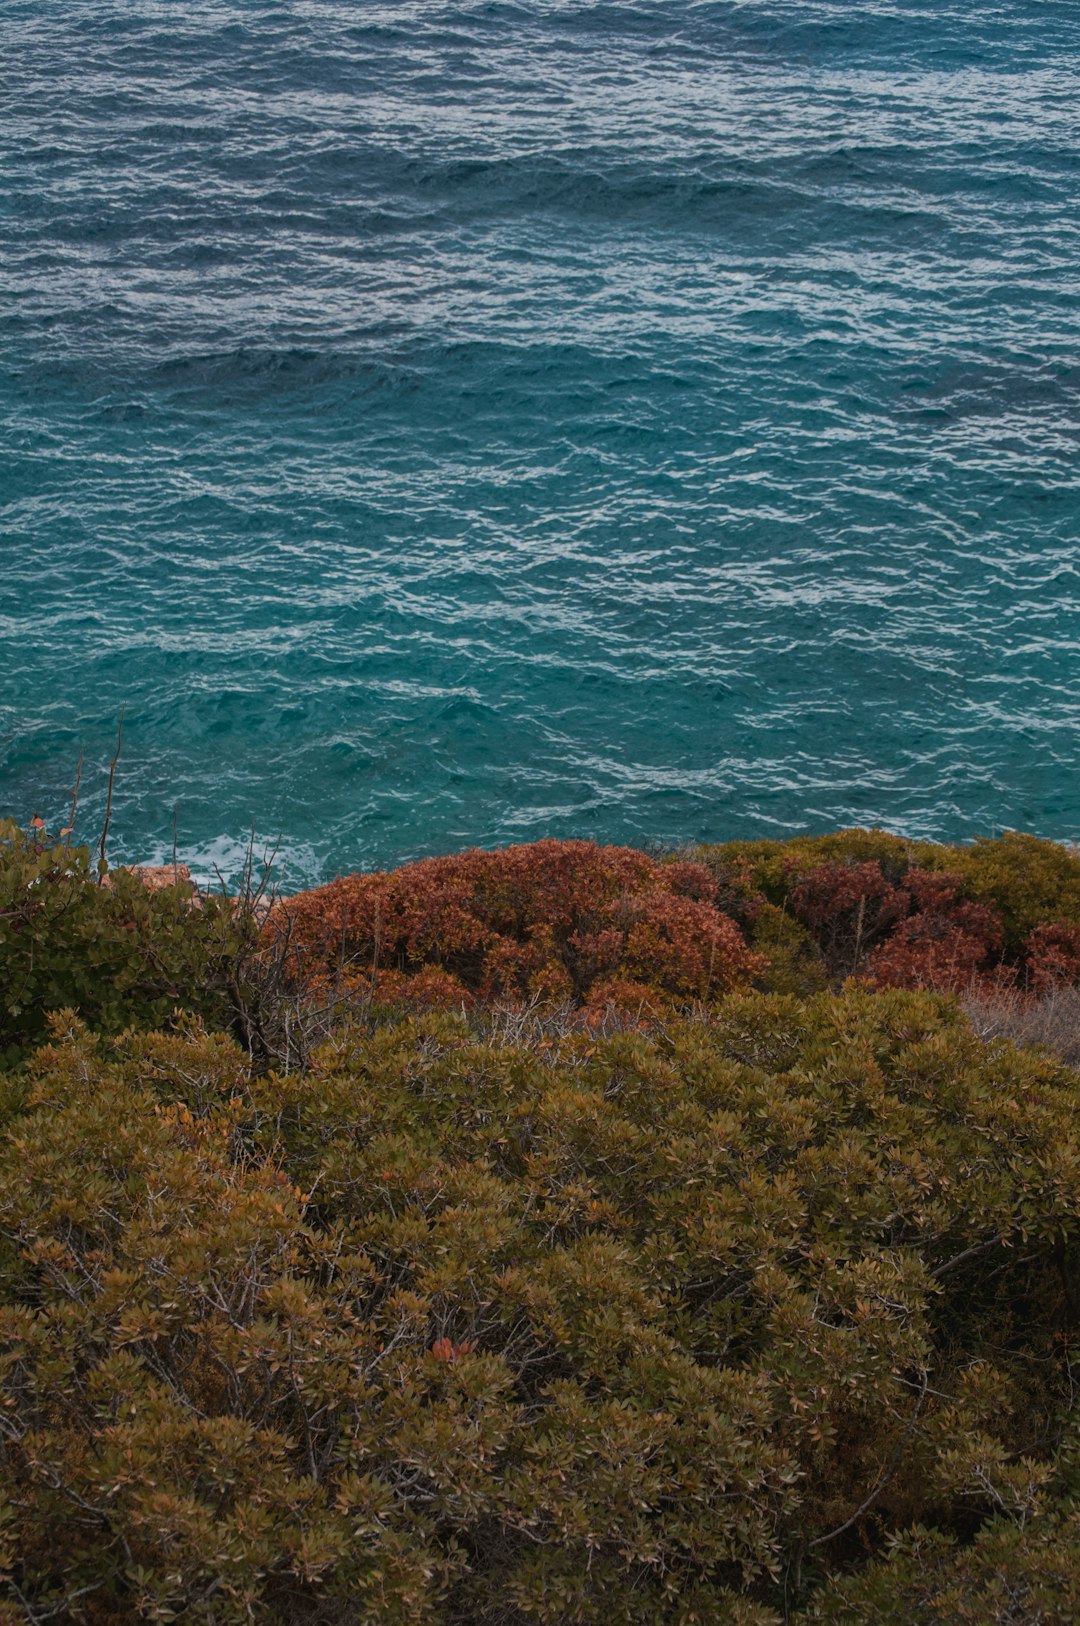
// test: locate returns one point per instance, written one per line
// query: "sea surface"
(444, 424)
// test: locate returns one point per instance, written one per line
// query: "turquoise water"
(449, 423)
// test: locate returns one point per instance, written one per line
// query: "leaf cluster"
(564, 922)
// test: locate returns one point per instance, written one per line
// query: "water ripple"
(447, 423)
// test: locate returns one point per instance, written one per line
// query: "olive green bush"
(1026, 880)
(766, 1317)
(1013, 1574)
(117, 953)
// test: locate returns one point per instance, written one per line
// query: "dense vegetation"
(564, 921)
(624, 1291)
(1001, 913)
(557, 921)
(118, 953)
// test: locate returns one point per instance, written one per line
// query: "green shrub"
(794, 963)
(1029, 882)
(119, 954)
(623, 1330)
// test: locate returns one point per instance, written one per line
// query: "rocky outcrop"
(155, 877)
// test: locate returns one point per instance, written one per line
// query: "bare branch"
(102, 861)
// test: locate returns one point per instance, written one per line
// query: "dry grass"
(1052, 1021)
(562, 1035)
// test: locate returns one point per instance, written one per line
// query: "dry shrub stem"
(1052, 1021)
(103, 863)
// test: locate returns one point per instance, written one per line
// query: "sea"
(441, 424)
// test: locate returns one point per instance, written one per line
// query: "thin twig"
(74, 801)
(859, 931)
(102, 862)
(968, 1253)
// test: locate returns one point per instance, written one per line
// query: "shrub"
(1013, 1574)
(848, 907)
(945, 943)
(565, 921)
(793, 960)
(119, 954)
(659, 1328)
(1051, 1020)
(1027, 881)
(1053, 958)
(920, 914)
(775, 866)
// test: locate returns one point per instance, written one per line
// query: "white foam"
(223, 860)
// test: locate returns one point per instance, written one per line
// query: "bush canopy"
(674, 1327)
(624, 1246)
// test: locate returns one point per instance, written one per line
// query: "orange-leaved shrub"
(848, 907)
(946, 941)
(919, 931)
(561, 921)
(1053, 957)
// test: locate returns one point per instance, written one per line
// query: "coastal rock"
(155, 877)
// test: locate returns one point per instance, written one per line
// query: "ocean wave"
(450, 423)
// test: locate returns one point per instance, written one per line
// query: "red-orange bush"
(1053, 958)
(946, 942)
(563, 921)
(849, 908)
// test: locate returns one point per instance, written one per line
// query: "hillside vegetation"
(560, 1235)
